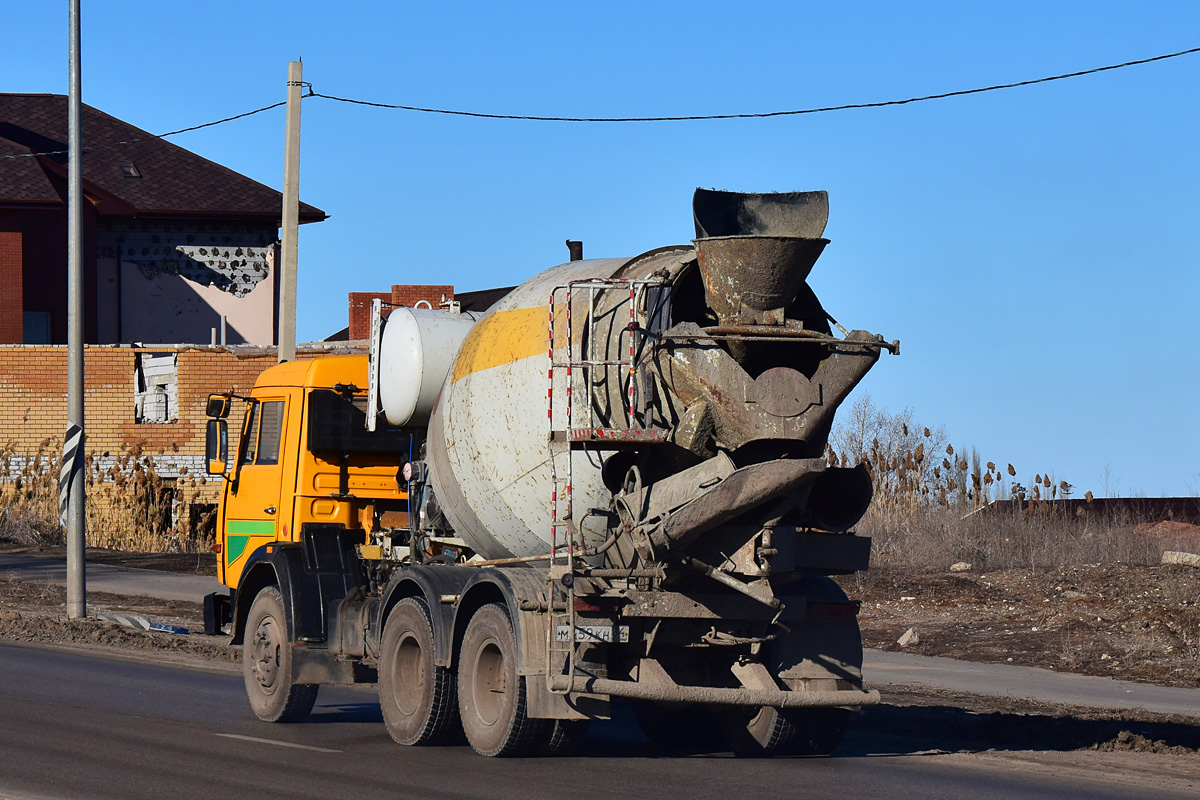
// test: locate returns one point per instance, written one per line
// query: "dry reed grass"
(930, 505)
(130, 506)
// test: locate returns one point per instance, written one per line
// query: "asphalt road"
(112, 579)
(997, 680)
(1029, 683)
(74, 724)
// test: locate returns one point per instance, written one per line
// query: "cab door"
(253, 515)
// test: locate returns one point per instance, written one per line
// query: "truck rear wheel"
(677, 727)
(267, 664)
(765, 732)
(491, 695)
(417, 696)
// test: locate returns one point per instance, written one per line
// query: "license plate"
(593, 633)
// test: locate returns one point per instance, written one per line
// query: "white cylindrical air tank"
(415, 354)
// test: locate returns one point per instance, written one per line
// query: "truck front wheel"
(267, 664)
(491, 695)
(417, 696)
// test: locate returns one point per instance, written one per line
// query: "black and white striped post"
(71, 497)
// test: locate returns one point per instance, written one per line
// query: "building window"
(36, 327)
(156, 394)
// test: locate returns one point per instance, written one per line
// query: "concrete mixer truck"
(612, 485)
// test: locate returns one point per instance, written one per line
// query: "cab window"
(271, 431)
(264, 430)
(251, 435)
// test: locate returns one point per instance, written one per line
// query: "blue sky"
(1034, 249)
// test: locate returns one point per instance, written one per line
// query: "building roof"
(22, 179)
(168, 180)
(481, 299)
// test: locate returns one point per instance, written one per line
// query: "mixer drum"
(488, 451)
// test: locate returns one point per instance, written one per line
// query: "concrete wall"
(172, 282)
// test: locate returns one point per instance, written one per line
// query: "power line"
(760, 115)
(155, 136)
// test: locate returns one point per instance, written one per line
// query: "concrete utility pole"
(70, 477)
(291, 217)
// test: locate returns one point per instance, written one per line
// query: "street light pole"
(71, 474)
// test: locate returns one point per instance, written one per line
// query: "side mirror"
(218, 406)
(216, 446)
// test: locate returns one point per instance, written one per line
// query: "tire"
(677, 727)
(567, 737)
(417, 696)
(819, 731)
(757, 732)
(767, 732)
(267, 665)
(491, 695)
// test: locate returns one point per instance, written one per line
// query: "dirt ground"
(36, 612)
(1111, 620)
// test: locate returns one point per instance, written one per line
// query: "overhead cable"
(686, 118)
(155, 135)
(758, 115)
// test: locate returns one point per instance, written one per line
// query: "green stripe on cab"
(239, 532)
(251, 527)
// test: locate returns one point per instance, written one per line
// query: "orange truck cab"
(304, 484)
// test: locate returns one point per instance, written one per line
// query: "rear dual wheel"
(491, 694)
(417, 696)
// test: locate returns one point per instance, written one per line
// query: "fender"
(275, 564)
(511, 586)
(434, 583)
(310, 574)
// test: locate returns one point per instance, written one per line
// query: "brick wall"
(401, 295)
(12, 303)
(360, 312)
(33, 403)
(409, 295)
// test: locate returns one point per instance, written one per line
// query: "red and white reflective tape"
(550, 366)
(632, 328)
(550, 419)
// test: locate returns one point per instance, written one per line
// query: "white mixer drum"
(488, 450)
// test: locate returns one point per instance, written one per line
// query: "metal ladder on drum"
(566, 437)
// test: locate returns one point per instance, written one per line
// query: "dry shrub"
(931, 504)
(130, 506)
(1034, 538)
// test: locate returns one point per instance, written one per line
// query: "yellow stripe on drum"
(503, 337)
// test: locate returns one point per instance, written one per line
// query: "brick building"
(174, 247)
(143, 404)
(172, 242)
(413, 296)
